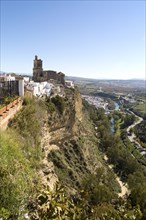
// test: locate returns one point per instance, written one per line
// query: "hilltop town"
(41, 83)
(70, 151)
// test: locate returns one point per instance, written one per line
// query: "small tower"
(37, 69)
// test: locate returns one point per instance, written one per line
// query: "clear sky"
(94, 39)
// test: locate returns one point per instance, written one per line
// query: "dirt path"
(124, 188)
(47, 173)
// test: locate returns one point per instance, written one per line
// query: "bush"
(59, 103)
(27, 123)
(50, 107)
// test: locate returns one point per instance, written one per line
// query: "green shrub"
(58, 205)
(50, 107)
(28, 123)
(59, 103)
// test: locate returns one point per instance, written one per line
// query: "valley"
(74, 158)
(72, 110)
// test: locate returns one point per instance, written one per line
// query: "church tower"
(37, 69)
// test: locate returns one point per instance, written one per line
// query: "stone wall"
(8, 112)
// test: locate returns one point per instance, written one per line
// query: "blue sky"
(94, 39)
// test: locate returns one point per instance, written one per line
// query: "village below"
(71, 148)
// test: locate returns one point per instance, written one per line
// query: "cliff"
(51, 143)
(69, 144)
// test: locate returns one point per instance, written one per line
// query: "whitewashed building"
(6, 77)
(69, 84)
(40, 88)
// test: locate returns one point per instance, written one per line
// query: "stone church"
(40, 75)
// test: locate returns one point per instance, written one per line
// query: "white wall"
(21, 87)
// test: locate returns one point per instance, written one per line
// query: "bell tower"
(37, 69)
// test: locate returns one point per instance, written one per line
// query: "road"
(132, 136)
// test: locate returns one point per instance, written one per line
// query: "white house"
(26, 79)
(6, 77)
(69, 84)
(40, 89)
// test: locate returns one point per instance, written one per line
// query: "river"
(117, 108)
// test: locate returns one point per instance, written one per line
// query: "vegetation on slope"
(140, 131)
(90, 189)
(120, 153)
(20, 155)
(139, 109)
(139, 106)
(58, 206)
(15, 176)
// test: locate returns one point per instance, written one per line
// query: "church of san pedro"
(40, 75)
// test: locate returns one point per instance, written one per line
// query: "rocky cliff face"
(78, 105)
(69, 145)
(78, 114)
(65, 125)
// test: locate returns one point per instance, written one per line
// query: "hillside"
(53, 167)
(72, 137)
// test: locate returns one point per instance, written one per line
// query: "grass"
(69, 162)
(15, 174)
(2, 105)
(139, 108)
(20, 155)
(7, 100)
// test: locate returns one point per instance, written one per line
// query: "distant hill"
(2, 72)
(75, 78)
(129, 83)
(90, 80)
